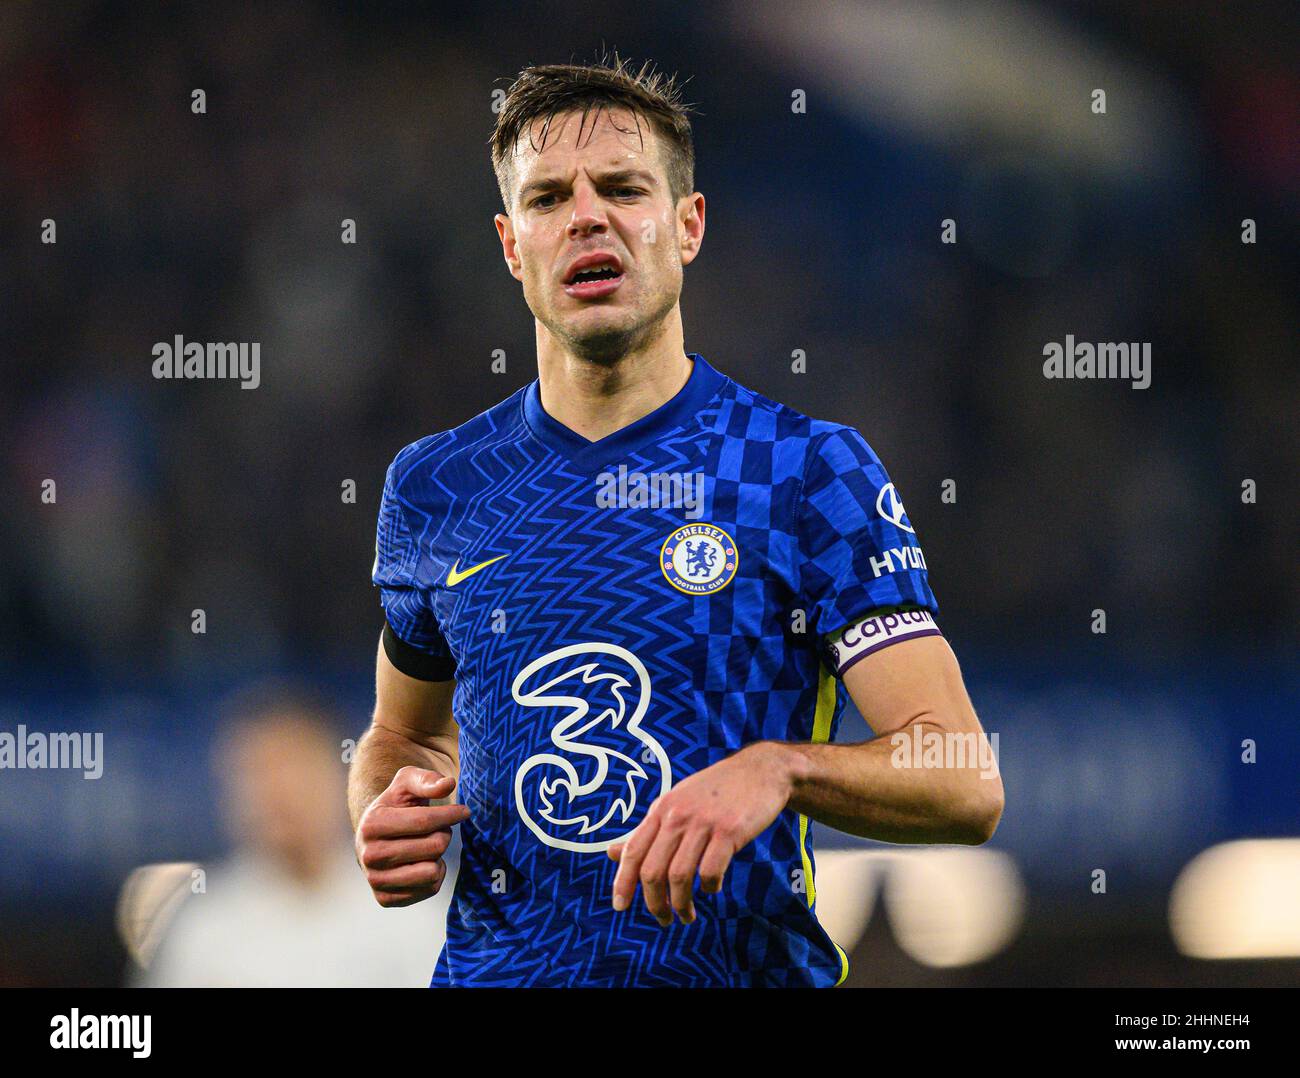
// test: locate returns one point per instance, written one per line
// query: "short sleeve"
(858, 551)
(412, 639)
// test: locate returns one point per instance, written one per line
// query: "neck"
(596, 398)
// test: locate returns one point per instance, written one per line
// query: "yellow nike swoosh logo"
(455, 576)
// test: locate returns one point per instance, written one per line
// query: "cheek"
(667, 226)
(665, 256)
(523, 241)
(662, 227)
(527, 269)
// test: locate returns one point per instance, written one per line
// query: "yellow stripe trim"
(844, 964)
(809, 889)
(827, 690)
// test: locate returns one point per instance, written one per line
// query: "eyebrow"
(607, 179)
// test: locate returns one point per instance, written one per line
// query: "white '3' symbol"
(593, 690)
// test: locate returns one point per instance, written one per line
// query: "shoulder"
(501, 422)
(809, 444)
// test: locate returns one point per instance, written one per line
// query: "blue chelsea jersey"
(618, 615)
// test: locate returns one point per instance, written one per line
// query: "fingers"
(395, 901)
(401, 837)
(665, 859)
(416, 785)
(403, 821)
(408, 884)
(630, 856)
(654, 874)
(389, 853)
(426, 875)
(713, 865)
(681, 873)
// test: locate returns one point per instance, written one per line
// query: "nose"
(588, 215)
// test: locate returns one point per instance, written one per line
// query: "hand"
(696, 828)
(401, 838)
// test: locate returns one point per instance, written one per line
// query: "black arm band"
(415, 663)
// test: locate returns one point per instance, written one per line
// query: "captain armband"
(876, 631)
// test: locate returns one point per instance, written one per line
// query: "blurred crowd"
(823, 236)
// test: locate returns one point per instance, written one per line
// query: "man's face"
(601, 193)
(284, 789)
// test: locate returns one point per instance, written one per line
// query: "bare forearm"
(380, 754)
(860, 789)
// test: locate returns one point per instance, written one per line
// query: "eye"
(625, 192)
(537, 202)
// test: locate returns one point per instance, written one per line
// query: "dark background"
(1120, 751)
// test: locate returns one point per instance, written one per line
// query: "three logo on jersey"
(600, 767)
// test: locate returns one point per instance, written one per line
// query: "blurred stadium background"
(1121, 752)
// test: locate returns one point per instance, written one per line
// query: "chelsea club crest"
(699, 559)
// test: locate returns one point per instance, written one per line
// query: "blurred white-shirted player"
(288, 907)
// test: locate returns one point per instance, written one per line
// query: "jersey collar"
(699, 389)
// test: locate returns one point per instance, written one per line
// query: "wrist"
(781, 765)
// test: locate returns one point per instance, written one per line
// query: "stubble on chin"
(606, 344)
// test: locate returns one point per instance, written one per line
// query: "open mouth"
(594, 276)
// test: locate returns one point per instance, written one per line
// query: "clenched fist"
(401, 838)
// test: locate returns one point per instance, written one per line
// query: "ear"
(690, 217)
(509, 248)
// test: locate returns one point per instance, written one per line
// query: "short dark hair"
(553, 89)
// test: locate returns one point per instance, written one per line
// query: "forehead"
(606, 138)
